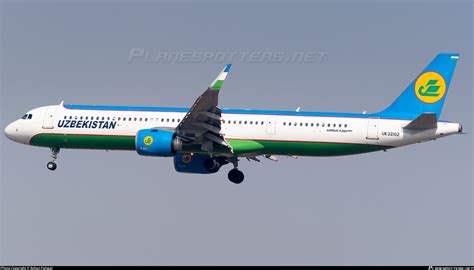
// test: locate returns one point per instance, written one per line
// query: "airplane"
(203, 138)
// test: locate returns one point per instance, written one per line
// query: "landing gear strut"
(235, 176)
(54, 155)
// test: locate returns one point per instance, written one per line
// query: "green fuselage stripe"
(297, 148)
(84, 141)
(240, 147)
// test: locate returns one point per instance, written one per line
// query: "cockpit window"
(27, 116)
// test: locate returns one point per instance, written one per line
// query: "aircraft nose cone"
(9, 131)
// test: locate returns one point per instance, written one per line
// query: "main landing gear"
(235, 176)
(54, 155)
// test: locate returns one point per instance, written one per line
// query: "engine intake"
(157, 142)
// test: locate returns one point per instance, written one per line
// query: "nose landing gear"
(51, 165)
(54, 155)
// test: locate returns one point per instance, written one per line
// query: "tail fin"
(426, 94)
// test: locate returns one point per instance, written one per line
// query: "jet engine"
(157, 142)
(198, 163)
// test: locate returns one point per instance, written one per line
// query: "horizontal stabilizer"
(422, 122)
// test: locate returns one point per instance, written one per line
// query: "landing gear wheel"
(51, 166)
(236, 176)
(54, 155)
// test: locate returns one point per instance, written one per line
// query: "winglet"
(217, 83)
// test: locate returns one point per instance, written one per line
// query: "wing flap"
(207, 126)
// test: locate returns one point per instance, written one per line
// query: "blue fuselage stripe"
(400, 116)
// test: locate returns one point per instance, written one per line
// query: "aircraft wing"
(423, 122)
(202, 124)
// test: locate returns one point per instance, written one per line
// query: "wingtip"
(227, 67)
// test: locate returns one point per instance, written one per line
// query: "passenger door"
(271, 126)
(48, 121)
(373, 129)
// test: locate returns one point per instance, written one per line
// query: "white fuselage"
(235, 126)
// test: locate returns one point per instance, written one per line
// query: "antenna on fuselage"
(298, 109)
(62, 103)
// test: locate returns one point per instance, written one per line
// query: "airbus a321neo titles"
(203, 138)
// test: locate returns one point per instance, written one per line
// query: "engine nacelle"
(156, 142)
(203, 164)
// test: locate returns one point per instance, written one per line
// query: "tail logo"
(148, 140)
(430, 87)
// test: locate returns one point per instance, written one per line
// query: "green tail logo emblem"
(430, 89)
